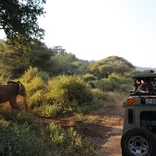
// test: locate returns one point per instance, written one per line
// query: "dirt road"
(112, 145)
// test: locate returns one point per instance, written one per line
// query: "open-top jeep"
(139, 130)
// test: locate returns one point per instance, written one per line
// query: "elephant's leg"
(13, 103)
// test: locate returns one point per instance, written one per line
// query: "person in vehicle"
(136, 85)
(146, 86)
(152, 71)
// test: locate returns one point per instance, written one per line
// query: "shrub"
(99, 95)
(17, 117)
(20, 141)
(30, 138)
(89, 77)
(122, 83)
(104, 85)
(115, 99)
(33, 80)
(68, 89)
(37, 99)
(35, 84)
(33, 72)
(114, 83)
(3, 79)
(49, 110)
(70, 142)
(103, 98)
(69, 93)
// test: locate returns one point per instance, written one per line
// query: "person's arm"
(140, 88)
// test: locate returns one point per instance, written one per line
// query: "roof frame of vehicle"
(140, 76)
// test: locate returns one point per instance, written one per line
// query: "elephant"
(10, 92)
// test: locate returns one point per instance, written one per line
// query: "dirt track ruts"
(112, 146)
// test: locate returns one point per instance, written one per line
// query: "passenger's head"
(137, 81)
(148, 84)
(146, 80)
(152, 71)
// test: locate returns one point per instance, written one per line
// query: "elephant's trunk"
(25, 103)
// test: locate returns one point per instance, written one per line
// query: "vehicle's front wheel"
(138, 142)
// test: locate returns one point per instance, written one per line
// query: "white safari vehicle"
(139, 129)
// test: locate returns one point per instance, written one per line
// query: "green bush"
(33, 80)
(49, 110)
(67, 89)
(89, 77)
(37, 99)
(122, 83)
(36, 84)
(104, 85)
(17, 117)
(114, 83)
(20, 141)
(99, 95)
(70, 142)
(106, 99)
(21, 135)
(3, 79)
(68, 94)
(33, 72)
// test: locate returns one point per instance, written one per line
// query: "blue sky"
(96, 29)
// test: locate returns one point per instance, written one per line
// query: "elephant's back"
(6, 92)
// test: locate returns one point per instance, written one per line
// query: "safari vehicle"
(139, 129)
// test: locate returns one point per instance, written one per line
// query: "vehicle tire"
(138, 142)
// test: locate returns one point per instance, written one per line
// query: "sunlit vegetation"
(22, 135)
(58, 85)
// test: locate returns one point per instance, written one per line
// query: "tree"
(62, 61)
(40, 56)
(109, 65)
(14, 62)
(18, 18)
